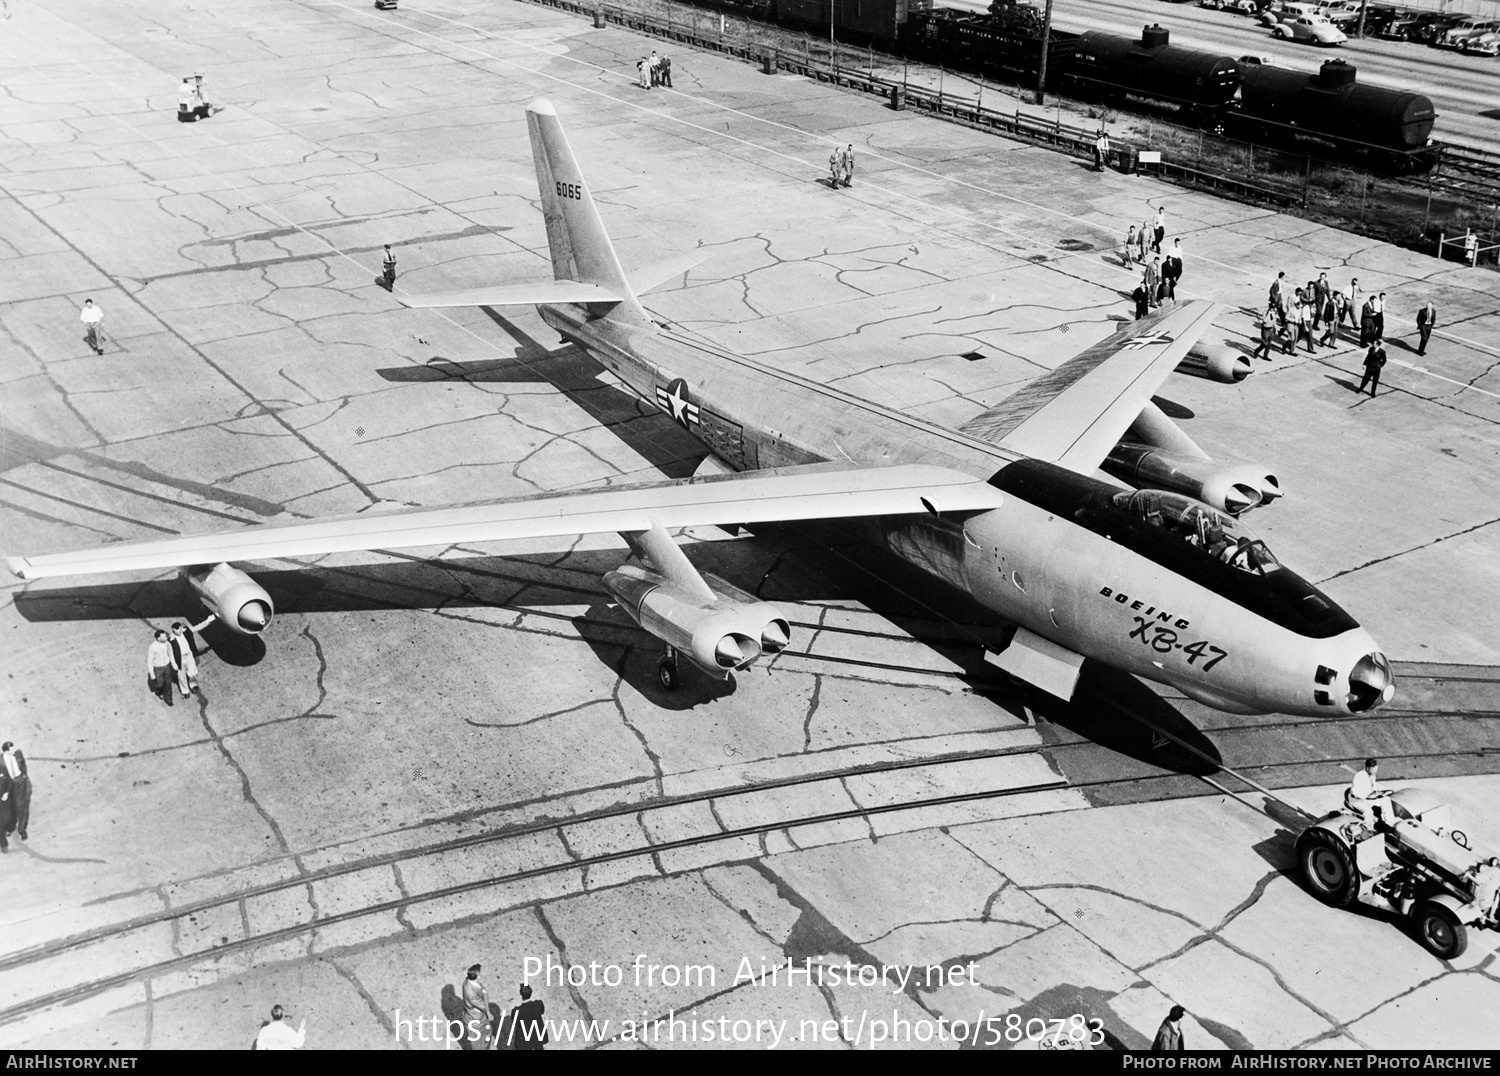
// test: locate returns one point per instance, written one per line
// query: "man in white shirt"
(1364, 790)
(159, 668)
(93, 326)
(476, 1011)
(278, 1034)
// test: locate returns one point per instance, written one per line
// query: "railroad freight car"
(1150, 67)
(874, 22)
(1332, 104)
(1001, 49)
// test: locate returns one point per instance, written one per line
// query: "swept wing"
(815, 491)
(1075, 414)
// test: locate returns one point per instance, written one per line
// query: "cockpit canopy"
(1217, 534)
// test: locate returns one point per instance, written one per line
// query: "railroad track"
(165, 941)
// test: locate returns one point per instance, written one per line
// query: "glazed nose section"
(1370, 683)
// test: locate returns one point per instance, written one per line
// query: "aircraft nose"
(1371, 683)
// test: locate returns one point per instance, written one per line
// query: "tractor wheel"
(1327, 867)
(666, 674)
(1439, 930)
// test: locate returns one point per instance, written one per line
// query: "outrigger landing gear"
(666, 670)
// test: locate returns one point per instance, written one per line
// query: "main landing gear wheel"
(1439, 930)
(666, 671)
(1327, 867)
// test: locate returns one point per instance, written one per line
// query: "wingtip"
(16, 566)
(542, 107)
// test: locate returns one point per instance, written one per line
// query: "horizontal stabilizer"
(650, 277)
(543, 291)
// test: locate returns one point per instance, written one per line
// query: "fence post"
(1306, 179)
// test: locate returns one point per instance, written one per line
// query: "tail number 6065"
(569, 190)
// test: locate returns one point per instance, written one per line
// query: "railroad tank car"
(1150, 66)
(1332, 103)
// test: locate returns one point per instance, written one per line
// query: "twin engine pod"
(240, 603)
(1230, 487)
(730, 632)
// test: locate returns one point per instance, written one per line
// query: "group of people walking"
(1161, 271)
(172, 659)
(1315, 315)
(841, 167)
(654, 71)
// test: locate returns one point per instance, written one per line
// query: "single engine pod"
(240, 603)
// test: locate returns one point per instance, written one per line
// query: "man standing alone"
(1426, 319)
(93, 326)
(388, 269)
(14, 763)
(1169, 1035)
(278, 1034)
(1374, 360)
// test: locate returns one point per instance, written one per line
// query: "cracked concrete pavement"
(254, 371)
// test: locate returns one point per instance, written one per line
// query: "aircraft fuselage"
(1058, 558)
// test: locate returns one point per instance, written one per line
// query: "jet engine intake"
(1216, 362)
(1230, 487)
(240, 603)
(719, 636)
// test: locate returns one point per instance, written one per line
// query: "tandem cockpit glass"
(1218, 534)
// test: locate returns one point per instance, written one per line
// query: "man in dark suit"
(1426, 320)
(17, 783)
(527, 1030)
(1374, 360)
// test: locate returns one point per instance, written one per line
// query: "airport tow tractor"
(1411, 862)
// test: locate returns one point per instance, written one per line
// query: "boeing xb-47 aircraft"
(1075, 509)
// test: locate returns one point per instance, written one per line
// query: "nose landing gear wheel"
(666, 671)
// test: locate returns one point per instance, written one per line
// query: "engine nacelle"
(717, 636)
(240, 603)
(1230, 487)
(1216, 363)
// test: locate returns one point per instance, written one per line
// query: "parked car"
(1376, 21)
(1459, 32)
(1256, 60)
(1275, 16)
(1417, 26)
(1311, 30)
(1485, 44)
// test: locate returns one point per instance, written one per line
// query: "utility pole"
(1041, 75)
(1363, 4)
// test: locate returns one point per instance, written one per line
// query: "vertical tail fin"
(581, 249)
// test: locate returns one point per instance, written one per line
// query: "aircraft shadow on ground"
(1098, 713)
(815, 563)
(638, 425)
